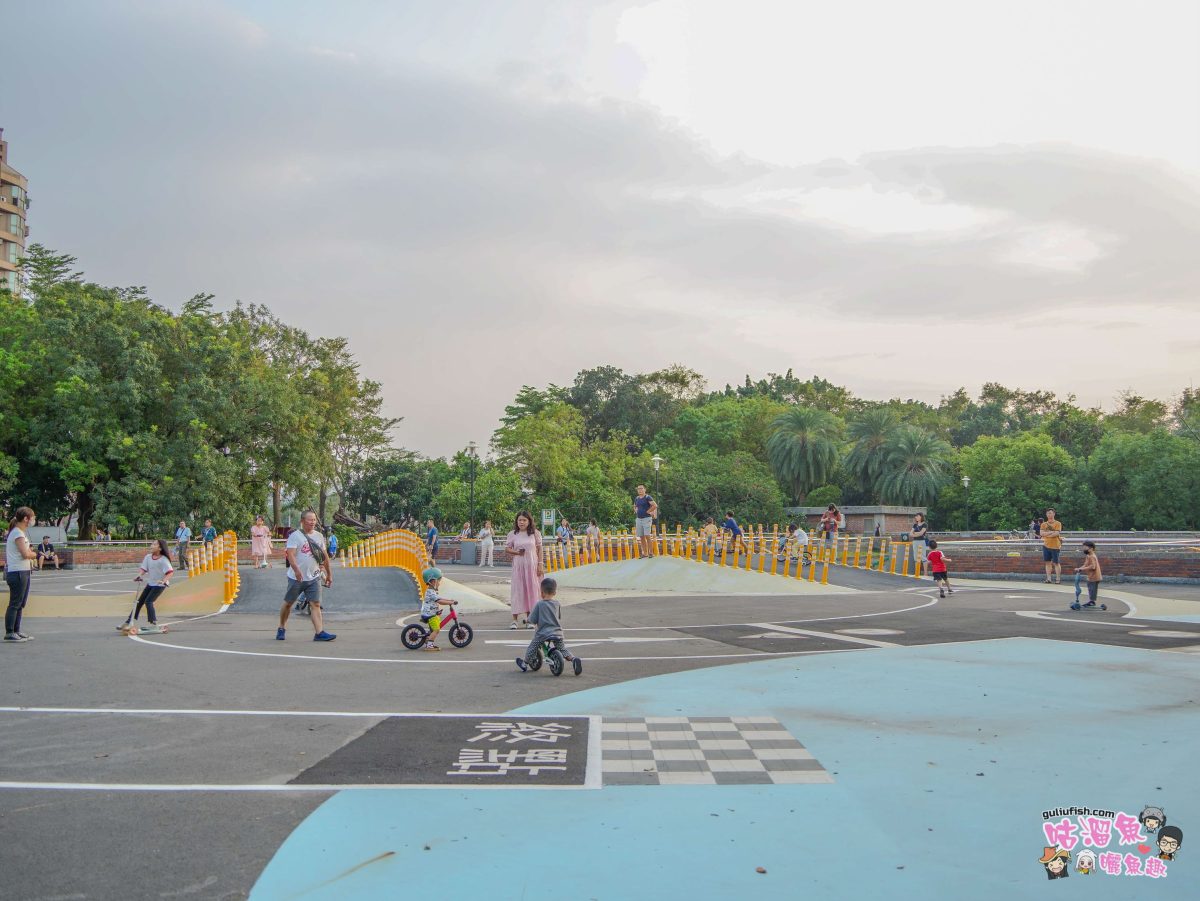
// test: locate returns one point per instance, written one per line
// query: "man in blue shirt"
(431, 539)
(183, 537)
(210, 533)
(645, 509)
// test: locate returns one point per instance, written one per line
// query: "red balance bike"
(460, 634)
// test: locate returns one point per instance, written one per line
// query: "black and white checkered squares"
(704, 750)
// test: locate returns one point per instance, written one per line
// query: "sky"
(900, 198)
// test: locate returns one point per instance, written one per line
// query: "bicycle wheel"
(413, 636)
(556, 662)
(536, 663)
(461, 635)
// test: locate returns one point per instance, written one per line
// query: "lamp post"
(472, 452)
(658, 462)
(966, 483)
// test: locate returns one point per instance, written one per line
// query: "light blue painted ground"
(905, 730)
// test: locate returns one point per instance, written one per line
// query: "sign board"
(548, 517)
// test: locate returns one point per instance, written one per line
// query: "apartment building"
(14, 204)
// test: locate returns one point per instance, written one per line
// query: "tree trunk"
(84, 506)
(321, 503)
(276, 503)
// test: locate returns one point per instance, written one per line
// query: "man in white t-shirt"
(307, 559)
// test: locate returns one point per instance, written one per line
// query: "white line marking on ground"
(192, 619)
(425, 661)
(830, 635)
(1054, 617)
(594, 771)
(176, 787)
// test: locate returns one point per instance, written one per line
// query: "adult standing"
(18, 559)
(183, 537)
(1052, 546)
(593, 537)
(563, 534)
(466, 532)
(830, 522)
(260, 542)
(919, 535)
(524, 546)
(431, 540)
(307, 558)
(645, 510)
(487, 544)
(210, 532)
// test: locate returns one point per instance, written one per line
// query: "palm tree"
(803, 448)
(872, 435)
(915, 467)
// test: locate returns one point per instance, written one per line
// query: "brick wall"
(1118, 562)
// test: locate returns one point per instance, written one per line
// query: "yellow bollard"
(893, 567)
(825, 573)
(870, 552)
(812, 566)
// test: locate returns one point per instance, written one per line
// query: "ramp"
(660, 574)
(355, 591)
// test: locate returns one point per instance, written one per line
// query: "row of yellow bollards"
(217, 555)
(396, 547)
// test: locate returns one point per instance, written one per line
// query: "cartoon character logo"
(1085, 862)
(1152, 818)
(1170, 840)
(1055, 860)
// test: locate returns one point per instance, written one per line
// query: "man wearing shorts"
(1052, 546)
(645, 509)
(307, 559)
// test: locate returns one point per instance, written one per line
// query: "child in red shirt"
(937, 564)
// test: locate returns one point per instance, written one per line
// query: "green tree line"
(120, 412)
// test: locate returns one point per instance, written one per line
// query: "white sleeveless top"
(13, 559)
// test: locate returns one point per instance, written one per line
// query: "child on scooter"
(1091, 571)
(431, 604)
(545, 615)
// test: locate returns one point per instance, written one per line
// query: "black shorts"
(941, 577)
(309, 591)
(1050, 554)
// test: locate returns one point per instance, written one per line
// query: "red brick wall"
(1116, 561)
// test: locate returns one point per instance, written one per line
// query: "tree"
(1135, 413)
(1147, 480)
(726, 425)
(803, 448)
(915, 467)
(872, 434)
(698, 483)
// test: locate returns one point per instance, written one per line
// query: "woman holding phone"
(524, 546)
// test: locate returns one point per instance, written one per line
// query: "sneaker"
(1088, 604)
(941, 594)
(514, 625)
(13, 636)
(577, 665)
(528, 624)
(950, 591)
(522, 665)
(279, 634)
(25, 637)
(432, 647)
(324, 636)
(122, 627)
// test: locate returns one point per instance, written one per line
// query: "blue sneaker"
(522, 665)
(279, 634)
(324, 636)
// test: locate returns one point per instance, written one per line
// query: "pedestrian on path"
(18, 557)
(524, 546)
(487, 544)
(431, 540)
(260, 542)
(183, 537)
(919, 536)
(306, 560)
(155, 571)
(210, 532)
(1052, 546)
(830, 523)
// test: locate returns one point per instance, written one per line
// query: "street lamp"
(658, 462)
(472, 452)
(966, 483)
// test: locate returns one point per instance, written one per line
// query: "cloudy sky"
(902, 198)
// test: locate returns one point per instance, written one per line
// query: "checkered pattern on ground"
(704, 750)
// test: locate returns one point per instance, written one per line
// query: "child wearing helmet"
(431, 604)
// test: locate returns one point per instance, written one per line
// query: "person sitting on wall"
(47, 554)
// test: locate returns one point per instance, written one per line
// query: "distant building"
(891, 521)
(14, 203)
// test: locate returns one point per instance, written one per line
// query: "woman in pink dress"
(524, 546)
(260, 543)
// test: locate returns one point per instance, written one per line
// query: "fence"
(396, 547)
(218, 555)
(751, 553)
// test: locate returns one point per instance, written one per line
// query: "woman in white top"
(155, 571)
(19, 557)
(487, 543)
